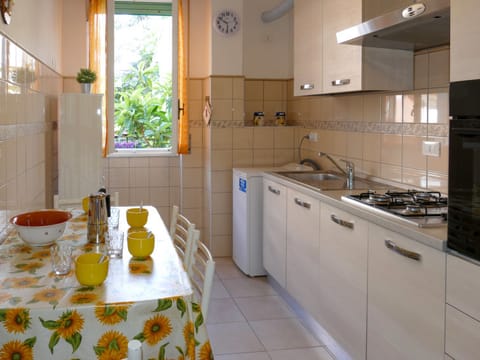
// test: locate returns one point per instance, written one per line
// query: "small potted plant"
(86, 77)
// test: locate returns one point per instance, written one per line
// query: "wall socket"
(313, 136)
(431, 148)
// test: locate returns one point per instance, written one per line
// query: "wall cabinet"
(464, 51)
(342, 302)
(303, 215)
(406, 298)
(275, 230)
(462, 336)
(308, 47)
(321, 66)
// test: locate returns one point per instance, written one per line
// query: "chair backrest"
(201, 272)
(183, 236)
(59, 203)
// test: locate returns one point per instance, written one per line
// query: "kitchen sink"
(326, 180)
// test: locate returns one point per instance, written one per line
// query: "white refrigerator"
(247, 220)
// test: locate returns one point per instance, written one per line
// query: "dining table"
(48, 316)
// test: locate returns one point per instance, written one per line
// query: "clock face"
(227, 22)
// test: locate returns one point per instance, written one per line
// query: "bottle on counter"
(259, 118)
(280, 118)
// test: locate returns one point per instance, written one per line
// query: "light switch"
(431, 148)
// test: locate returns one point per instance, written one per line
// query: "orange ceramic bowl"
(89, 271)
(41, 227)
(140, 244)
(137, 217)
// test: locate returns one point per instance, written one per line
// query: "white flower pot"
(86, 88)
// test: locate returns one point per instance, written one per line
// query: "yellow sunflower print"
(206, 352)
(17, 283)
(83, 298)
(156, 329)
(41, 254)
(139, 268)
(17, 320)
(111, 314)
(23, 249)
(31, 266)
(189, 336)
(5, 297)
(15, 350)
(48, 295)
(114, 345)
(70, 322)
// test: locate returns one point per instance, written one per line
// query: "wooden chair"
(201, 272)
(183, 236)
(59, 203)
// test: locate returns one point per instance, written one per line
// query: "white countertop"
(434, 237)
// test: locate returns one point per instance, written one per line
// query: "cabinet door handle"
(340, 82)
(337, 220)
(404, 252)
(304, 204)
(307, 86)
(273, 190)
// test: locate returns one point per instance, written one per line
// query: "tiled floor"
(247, 320)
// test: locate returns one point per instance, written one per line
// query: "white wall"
(75, 37)
(200, 38)
(37, 27)
(268, 47)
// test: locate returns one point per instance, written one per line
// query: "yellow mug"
(85, 202)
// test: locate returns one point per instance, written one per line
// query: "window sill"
(122, 153)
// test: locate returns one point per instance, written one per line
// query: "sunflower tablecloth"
(43, 316)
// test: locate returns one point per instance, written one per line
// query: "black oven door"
(464, 187)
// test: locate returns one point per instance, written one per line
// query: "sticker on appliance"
(242, 185)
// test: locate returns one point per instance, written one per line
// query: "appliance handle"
(404, 252)
(341, 222)
(304, 204)
(307, 86)
(340, 82)
(273, 190)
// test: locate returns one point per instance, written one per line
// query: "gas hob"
(420, 208)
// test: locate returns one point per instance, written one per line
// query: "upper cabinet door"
(308, 47)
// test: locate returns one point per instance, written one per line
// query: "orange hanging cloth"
(183, 130)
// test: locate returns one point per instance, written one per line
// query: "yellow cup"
(137, 217)
(89, 271)
(141, 244)
(85, 202)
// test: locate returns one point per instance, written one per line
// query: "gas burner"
(413, 209)
(378, 199)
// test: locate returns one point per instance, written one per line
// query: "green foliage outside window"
(143, 104)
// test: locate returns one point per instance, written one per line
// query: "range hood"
(422, 25)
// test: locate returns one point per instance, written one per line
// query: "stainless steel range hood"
(420, 26)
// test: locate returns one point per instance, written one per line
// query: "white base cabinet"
(342, 303)
(275, 230)
(303, 214)
(406, 298)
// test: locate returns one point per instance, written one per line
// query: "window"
(144, 78)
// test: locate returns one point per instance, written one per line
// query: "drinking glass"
(61, 255)
(114, 242)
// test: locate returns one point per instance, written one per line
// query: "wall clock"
(6, 8)
(227, 22)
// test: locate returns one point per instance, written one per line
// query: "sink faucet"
(349, 172)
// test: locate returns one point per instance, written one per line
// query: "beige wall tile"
(354, 145)
(372, 108)
(283, 137)
(412, 153)
(372, 147)
(275, 90)
(254, 90)
(391, 172)
(195, 89)
(439, 164)
(222, 88)
(243, 138)
(192, 177)
(222, 224)
(391, 149)
(239, 88)
(222, 160)
(222, 245)
(192, 198)
(195, 111)
(221, 181)
(194, 159)
(438, 106)
(392, 108)
(138, 177)
(138, 162)
(158, 177)
(137, 195)
(158, 162)
(197, 136)
(414, 177)
(283, 156)
(263, 157)
(370, 168)
(263, 138)
(222, 110)
(415, 107)
(348, 108)
(272, 107)
(333, 142)
(238, 110)
(252, 107)
(438, 182)
(221, 138)
(159, 197)
(242, 158)
(119, 177)
(222, 203)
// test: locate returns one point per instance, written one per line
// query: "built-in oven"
(464, 169)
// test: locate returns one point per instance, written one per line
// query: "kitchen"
(238, 73)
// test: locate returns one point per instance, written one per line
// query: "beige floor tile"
(264, 308)
(242, 287)
(228, 271)
(249, 356)
(219, 291)
(317, 353)
(233, 338)
(224, 311)
(283, 334)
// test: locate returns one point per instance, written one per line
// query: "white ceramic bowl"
(41, 227)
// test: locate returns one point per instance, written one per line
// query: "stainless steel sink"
(324, 180)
